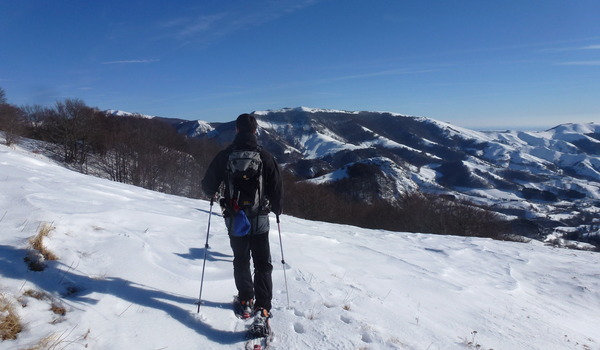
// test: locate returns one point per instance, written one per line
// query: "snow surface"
(303, 109)
(119, 113)
(201, 127)
(130, 262)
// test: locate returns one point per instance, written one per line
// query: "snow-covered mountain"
(550, 177)
(130, 260)
(119, 113)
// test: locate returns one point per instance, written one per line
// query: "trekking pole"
(287, 292)
(205, 251)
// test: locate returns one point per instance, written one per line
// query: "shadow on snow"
(198, 254)
(78, 288)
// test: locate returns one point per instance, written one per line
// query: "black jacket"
(217, 171)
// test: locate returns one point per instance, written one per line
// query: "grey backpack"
(244, 182)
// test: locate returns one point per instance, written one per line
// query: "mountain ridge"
(550, 177)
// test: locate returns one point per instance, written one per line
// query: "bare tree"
(12, 120)
(70, 126)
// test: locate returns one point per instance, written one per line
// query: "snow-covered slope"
(130, 261)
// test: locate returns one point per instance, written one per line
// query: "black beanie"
(246, 123)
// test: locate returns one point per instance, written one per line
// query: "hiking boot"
(247, 306)
(262, 312)
(260, 327)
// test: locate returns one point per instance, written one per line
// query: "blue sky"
(477, 64)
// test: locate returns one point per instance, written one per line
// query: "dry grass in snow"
(10, 322)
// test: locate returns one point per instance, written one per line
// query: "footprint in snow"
(299, 328)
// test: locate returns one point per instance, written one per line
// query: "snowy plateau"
(129, 263)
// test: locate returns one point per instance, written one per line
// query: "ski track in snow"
(130, 262)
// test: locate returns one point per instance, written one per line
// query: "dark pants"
(255, 246)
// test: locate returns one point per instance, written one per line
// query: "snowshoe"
(261, 327)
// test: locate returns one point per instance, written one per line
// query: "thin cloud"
(379, 74)
(131, 61)
(185, 29)
(574, 48)
(592, 47)
(207, 28)
(580, 63)
(303, 83)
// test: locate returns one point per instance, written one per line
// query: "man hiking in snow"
(252, 188)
